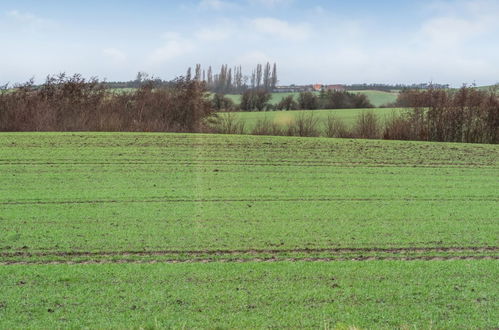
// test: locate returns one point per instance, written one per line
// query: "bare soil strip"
(249, 200)
(238, 260)
(338, 251)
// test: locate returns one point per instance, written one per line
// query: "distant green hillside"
(488, 87)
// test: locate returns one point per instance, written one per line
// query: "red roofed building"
(321, 87)
(317, 87)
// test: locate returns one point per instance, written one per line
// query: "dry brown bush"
(266, 126)
(72, 103)
(336, 128)
(227, 123)
(367, 126)
(305, 124)
(466, 115)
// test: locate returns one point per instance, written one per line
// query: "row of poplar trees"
(232, 80)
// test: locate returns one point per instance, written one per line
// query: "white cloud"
(252, 58)
(173, 49)
(458, 22)
(453, 42)
(450, 31)
(30, 20)
(214, 34)
(456, 30)
(281, 29)
(115, 54)
(171, 35)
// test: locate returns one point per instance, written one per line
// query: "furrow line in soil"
(239, 260)
(246, 164)
(328, 199)
(250, 251)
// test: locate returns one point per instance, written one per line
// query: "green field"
(377, 98)
(285, 118)
(370, 294)
(190, 230)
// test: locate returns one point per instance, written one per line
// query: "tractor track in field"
(337, 251)
(248, 200)
(271, 160)
(241, 260)
(211, 163)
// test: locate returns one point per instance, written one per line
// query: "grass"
(388, 294)
(121, 204)
(284, 118)
(379, 98)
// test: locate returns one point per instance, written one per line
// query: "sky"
(312, 41)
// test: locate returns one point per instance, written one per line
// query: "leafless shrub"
(336, 128)
(222, 103)
(367, 126)
(305, 124)
(287, 103)
(227, 123)
(308, 101)
(255, 100)
(72, 103)
(265, 126)
(466, 115)
(398, 127)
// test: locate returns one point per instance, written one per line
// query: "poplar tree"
(274, 76)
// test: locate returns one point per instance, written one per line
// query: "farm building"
(338, 88)
(292, 89)
(322, 87)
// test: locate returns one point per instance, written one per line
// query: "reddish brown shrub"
(74, 104)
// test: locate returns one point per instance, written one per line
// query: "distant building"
(317, 87)
(308, 88)
(322, 87)
(336, 88)
(292, 89)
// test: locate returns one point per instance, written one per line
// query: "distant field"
(191, 230)
(486, 88)
(348, 116)
(377, 98)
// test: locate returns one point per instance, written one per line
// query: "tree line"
(259, 100)
(72, 103)
(226, 80)
(232, 80)
(391, 87)
(466, 115)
